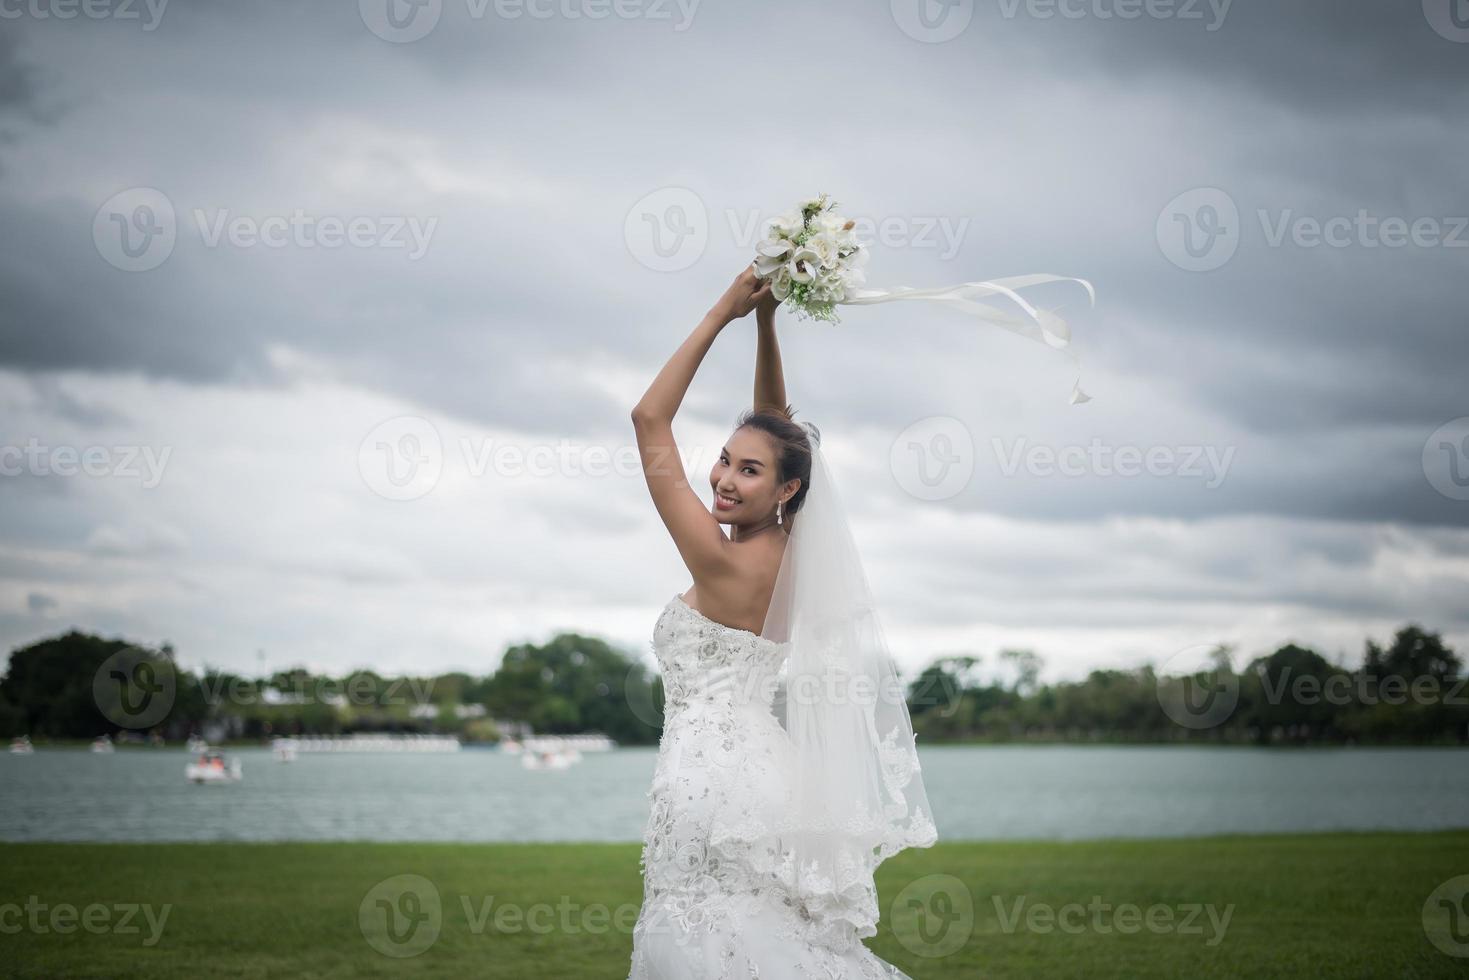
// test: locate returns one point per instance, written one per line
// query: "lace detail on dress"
(717, 885)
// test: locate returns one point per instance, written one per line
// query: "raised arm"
(695, 532)
(770, 382)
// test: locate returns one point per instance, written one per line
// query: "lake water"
(984, 792)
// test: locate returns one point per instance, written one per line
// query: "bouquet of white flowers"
(812, 258)
(813, 261)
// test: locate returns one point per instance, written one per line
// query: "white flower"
(787, 224)
(803, 263)
(826, 249)
(771, 255)
(829, 224)
(780, 284)
(831, 288)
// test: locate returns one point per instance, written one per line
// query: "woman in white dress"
(773, 799)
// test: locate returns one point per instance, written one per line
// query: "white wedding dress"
(717, 896)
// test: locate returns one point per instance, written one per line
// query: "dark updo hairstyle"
(792, 448)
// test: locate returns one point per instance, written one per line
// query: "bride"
(787, 769)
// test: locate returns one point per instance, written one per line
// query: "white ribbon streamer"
(1041, 326)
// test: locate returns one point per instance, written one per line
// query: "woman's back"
(742, 600)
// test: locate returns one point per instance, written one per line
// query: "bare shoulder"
(741, 597)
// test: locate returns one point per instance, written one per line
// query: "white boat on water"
(102, 744)
(21, 745)
(212, 767)
(572, 744)
(555, 751)
(547, 760)
(376, 742)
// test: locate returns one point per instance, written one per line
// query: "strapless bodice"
(709, 663)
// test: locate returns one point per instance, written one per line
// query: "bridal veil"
(856, 790)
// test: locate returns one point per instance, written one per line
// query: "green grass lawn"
(1340, 905)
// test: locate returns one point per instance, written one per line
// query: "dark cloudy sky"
(261, 260)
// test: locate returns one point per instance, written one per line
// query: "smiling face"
(744, 479)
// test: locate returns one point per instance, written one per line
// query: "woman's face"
(743, 479)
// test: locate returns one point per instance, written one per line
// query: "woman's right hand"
(744, 294)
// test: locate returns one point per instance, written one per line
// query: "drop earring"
(778, 504)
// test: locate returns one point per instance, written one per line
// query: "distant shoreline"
(72, 745)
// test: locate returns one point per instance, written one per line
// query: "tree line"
(78, 686)
(1413, 691)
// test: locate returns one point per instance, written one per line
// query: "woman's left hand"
(765, 307)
